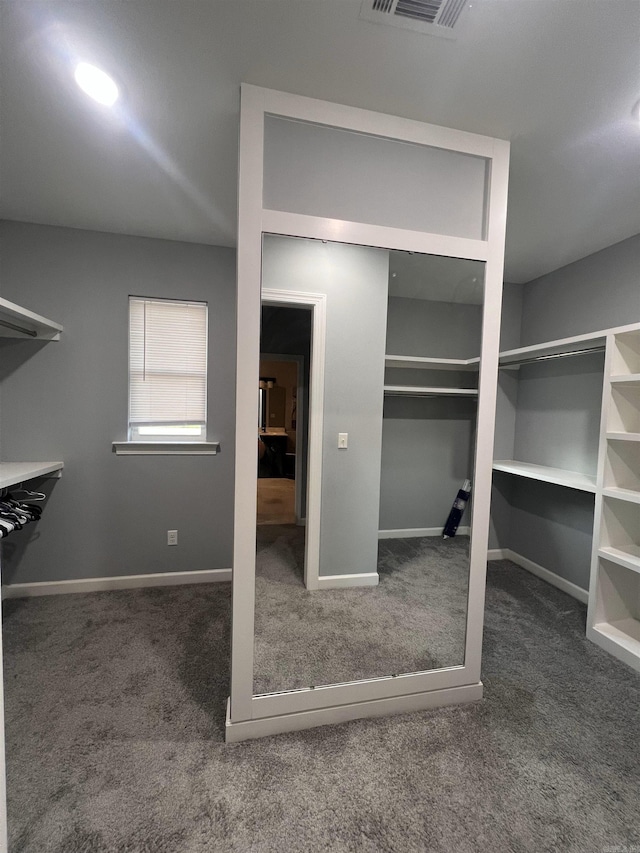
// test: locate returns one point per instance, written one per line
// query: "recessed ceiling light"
(96, 84)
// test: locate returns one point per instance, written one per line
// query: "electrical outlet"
(172, 537)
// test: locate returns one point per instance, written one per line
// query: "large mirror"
(388, 590)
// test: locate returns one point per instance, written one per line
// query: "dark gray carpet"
(115, 709)
(414, 620)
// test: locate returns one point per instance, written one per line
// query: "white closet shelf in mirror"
(12, 473)
(576, 345)
(623, 436)
(435, 391)
(629, 556)
(426, 363)
(17, 322)
(558, 476)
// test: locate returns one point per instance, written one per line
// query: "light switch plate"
(343, 440)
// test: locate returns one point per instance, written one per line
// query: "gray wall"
(557, 409)
(325, 171)
(423, 327)
(355, 280)
(597, 292)
(108, 515)
(427, 443)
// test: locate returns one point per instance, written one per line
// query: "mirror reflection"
(387, 592)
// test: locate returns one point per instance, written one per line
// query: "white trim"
(372, 123)
(235, 732)
(497, 554)
(166, 448)
(340, 581)
(252, 223)
(547, 575)
(315, 419)
(360, 234)
(415, 532)
(31, 590)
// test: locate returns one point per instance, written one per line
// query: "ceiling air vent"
(434, 17)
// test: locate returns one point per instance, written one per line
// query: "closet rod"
(534, 359)
(15, 328)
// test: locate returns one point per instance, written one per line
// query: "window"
(167, 370)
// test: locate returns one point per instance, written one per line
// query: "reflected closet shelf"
(558, 476)
(434, 391)
(12, 473)
(425, 363)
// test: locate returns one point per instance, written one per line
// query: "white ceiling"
(558, 78)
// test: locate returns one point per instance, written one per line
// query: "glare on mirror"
(386, 590)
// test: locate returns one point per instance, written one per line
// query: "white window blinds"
(167, 369)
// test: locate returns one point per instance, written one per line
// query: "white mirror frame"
(250, 715)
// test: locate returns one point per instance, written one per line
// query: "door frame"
(317, 303)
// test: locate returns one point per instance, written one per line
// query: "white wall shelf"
(12, 473)
(558, 476)
(576, 345)
(623, 436)
(431, 391)
(624, 634)
(626, 379)
(17, 322)
(620, 494)
(426, 363)
(629, 557)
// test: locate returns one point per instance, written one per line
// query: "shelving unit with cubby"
(613, 620)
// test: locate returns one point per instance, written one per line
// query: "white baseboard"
(415, 532)
(29, 590)
(554, 579)
(498, 554)
(235, 732)
(339, 581)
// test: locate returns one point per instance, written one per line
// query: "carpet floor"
(115, 714)
(413, 621)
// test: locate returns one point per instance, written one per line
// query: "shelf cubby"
(620, 533)
(622, 466)
(428, 391)
(624, 409)
(625, 358)
(617, 611)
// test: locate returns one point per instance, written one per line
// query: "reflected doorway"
(283, 389)
(279, 385)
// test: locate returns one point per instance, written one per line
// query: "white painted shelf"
(623, 436)
(12, 473)
(432, 391)
(425, 363)
(24, 324)
(571, 479)
(629, 557)
(626, 379)
(564, 346)
(624, 632)
(622, 494)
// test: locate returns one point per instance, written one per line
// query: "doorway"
(282, 381)
(293, 329)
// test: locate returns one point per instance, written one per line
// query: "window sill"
(166, 448)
